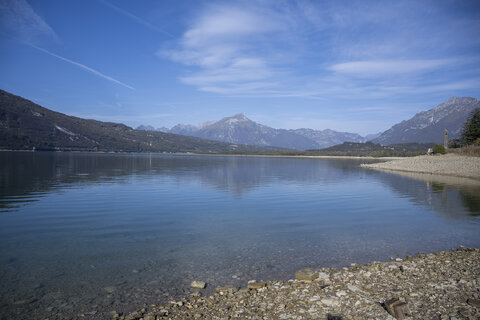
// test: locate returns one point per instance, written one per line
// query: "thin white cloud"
(82, 66)
(19, 20)
(239, 70)
(362, 50)
(224, 44)
(387, 67)
(123, 118)
(137, 19)
(226, 24)
(473, 83)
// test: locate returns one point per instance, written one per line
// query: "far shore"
(296, 156)
(215, 154)
(444, 165)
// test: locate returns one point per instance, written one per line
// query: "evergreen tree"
(471, 128)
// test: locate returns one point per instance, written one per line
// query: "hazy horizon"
(356, 66)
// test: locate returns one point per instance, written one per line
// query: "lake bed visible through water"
(83, 234)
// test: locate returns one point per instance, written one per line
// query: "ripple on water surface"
(102, 232)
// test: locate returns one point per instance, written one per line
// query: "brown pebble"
(474, 302)
(256, 285)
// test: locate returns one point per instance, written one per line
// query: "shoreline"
(306, 157)
(442, 165)
(441, 285)
(215, 154)
(300, 156)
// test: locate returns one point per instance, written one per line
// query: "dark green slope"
(25, 125)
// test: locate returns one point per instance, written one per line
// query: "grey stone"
(226, 289)
(329, 302)
(306, 274)
(353, 288)
(163, 313)
(133, 316)
(252, 284)
(110, 289)
(198, 285)
(389, 305)
(401, 310)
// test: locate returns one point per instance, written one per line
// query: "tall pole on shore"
(445, 139)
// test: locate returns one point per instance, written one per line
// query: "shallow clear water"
(85, 233)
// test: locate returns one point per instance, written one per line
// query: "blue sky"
(357, 66)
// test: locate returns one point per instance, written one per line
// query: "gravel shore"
(448, 164)
(443, 285)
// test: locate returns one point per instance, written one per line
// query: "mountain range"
(424, 127)
(240, 129)
(429, 126)
(25, 125)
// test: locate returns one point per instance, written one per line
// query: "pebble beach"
(443, 285)
(447, 165)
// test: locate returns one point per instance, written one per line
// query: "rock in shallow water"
(198, 285)
(110, 289)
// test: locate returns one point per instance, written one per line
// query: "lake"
(83, 234)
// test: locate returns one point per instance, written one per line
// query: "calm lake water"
(83, 234)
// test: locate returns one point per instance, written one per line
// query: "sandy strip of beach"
(447, 165)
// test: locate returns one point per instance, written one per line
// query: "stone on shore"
(226, 290)
(306, 274)
(198, 285)
(329, 302)
(163, 313)
(397, 308)
(252, 284)
(474, 302)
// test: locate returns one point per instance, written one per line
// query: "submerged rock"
(198, 285)
(110, 289)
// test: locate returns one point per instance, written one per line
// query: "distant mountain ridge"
(240, 129)
(326, 138)
(424, 127)
(25, 125)
(429, 126)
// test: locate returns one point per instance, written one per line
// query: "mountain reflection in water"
(27, 176)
